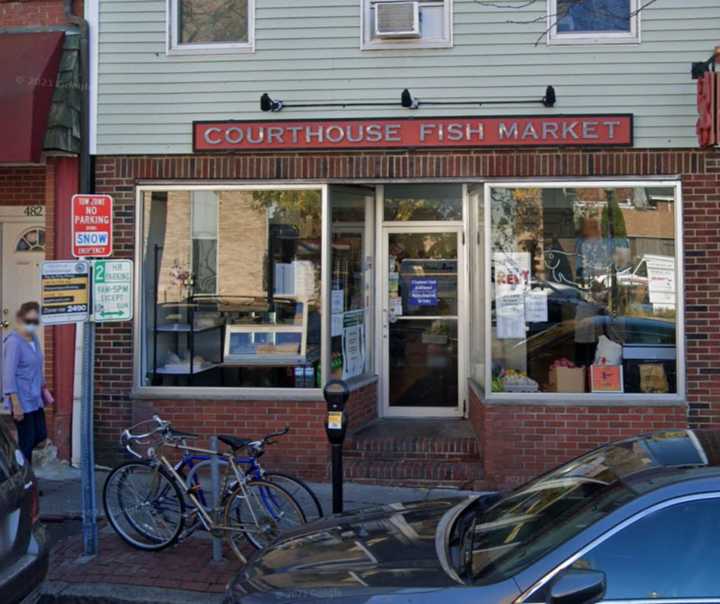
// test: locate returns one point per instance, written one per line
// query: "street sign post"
(65, 291)
(92, 226)
(112, 290)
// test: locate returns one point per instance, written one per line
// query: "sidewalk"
(181, 574)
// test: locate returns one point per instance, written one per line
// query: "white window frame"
(368, 42)
(140, 390)
(173, 47)
(590, 398)
(563, 38)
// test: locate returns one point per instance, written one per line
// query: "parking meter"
(336, 393)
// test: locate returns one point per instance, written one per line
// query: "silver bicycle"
(151, 505)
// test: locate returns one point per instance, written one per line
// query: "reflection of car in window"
(644, 340)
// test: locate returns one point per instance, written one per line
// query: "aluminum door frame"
(383, 338)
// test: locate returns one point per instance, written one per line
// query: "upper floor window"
(406, 24)
(593, 21)
(211, 25)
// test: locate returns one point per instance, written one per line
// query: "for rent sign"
(92, 226)
(521, 131)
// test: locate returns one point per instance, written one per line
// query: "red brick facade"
(33, 13)
(38, 185)
(522, 441)
(516, 441)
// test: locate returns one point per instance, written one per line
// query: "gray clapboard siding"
(309, 50)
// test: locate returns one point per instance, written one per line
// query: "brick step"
(415, 446)
(415, 473)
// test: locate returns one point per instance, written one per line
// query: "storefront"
(40, 147)
(535, 295)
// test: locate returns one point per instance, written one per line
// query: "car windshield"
(536, 518)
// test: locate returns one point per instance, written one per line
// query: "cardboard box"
(567, 379)
(606, 378)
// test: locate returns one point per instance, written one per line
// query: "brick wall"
(304, 451)
(522, 441)
(22, 186)
(29, 13)
(700, 172)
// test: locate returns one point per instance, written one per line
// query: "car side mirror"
(575, 586)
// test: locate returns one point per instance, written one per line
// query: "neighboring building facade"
(506, 274)
(41, 123)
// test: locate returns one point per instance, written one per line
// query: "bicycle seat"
(234, 442)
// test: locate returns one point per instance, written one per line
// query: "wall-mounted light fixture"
(268, 104)
(408, 101)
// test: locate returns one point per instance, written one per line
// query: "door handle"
(4, 324)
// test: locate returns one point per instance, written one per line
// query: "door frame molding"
(381, 275)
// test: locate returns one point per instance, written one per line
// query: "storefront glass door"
(423, 302)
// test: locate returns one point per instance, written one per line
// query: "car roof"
(649, 461)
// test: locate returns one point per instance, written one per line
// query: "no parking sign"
(92, 226)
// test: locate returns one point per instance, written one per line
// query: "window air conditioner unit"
(397, 20)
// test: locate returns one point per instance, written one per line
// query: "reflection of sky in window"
(593, 15)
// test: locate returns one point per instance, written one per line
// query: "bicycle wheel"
(144, 505)
(259, 511)
(300, 492)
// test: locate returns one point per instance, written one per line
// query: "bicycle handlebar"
(268, 438)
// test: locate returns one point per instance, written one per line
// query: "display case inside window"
(232, 288)
(584, 294)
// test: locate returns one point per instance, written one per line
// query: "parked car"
(23, 547)
(634, 520)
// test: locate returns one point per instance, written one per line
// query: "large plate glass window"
(351, 209)
(600, 21)
(231, 288)
(585, 289)
(211, 25)
(390, 24)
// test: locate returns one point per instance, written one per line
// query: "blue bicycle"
(197, 470)
(152, 503)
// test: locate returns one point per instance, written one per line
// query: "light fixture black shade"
(268, 104)
(408, 101)
(549, 99)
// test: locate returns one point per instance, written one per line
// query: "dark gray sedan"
(636, 520)
(23, 549)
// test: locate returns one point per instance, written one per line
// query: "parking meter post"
(87, 455)
(336, 393)
(337, 478)
(215, 497)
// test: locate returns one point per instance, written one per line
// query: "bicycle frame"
(207, 520)
(188, 460)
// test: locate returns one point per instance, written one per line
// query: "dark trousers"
(31, 432)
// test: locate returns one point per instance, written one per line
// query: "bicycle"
(198, 469)
(145, 499)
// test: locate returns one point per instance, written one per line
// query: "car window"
(672, 553)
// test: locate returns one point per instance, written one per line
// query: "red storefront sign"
(388, 133)
(92, 226)
(708, 95)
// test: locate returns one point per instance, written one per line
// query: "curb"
(58, 592)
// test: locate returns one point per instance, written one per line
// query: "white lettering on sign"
(92, 238)
(425, 132)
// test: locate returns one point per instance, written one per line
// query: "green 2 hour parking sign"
(112, 290)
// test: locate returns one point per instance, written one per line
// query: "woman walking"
(23, 379)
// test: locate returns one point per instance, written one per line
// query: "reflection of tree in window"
(593, 15)
(204, 21)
